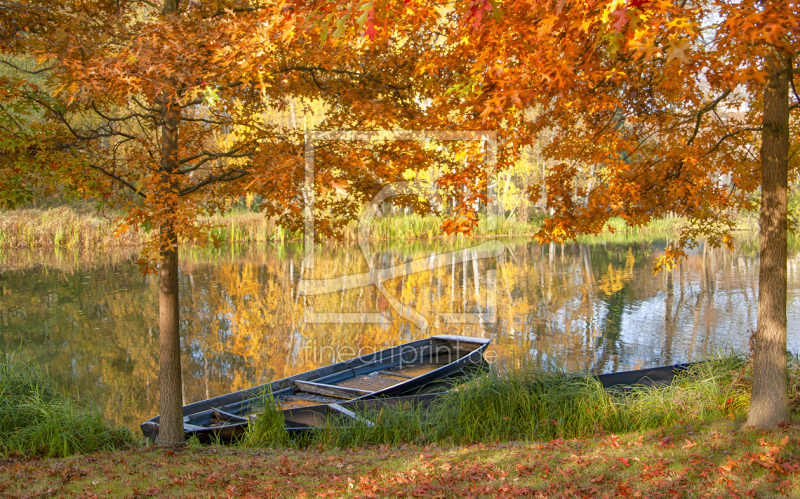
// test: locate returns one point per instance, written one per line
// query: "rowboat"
(408, 368)
(652, 376)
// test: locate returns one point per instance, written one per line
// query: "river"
(91, 317)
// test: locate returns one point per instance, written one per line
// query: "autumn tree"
(158, 110)
(684, 107)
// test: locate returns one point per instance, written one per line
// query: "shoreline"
(64, 227)
(688, 439)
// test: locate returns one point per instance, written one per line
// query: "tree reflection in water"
(594, 304)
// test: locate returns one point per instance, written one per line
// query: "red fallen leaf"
(730, 466)
(420, 491)
(598, 479)
(623, 489)
(152, 491)
(791, 467)
(689, 444)
(216, 477)
(624, 461)
(666, 442)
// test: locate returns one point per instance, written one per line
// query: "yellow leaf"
(677, 50)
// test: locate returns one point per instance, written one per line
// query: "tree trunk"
(170, 406)
(171, 398)
(768, 403)
(171, 392)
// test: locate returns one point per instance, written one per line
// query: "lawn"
(712, 458)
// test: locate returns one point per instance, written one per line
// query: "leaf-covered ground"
(695, 459)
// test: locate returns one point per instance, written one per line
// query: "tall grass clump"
(36, 418)
(268, 429)
(540, 405)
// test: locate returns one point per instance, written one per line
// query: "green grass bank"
(686, 440)
(37, 419)
(534, 405)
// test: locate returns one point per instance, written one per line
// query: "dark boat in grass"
(652, 376)
(404, 369)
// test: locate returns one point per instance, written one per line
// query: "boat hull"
(442, 356)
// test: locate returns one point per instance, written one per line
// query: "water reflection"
(589, 305)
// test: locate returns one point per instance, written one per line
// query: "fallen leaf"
(689, 444)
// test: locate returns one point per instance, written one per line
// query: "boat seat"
(330, 390)
(226, 416)
(350, 414)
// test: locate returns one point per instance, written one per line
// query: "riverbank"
(555, 435)
(716, 458)
(38, 419)
(79, 227)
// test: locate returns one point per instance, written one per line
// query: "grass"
(38, 419)
(508, 434)
(534, 405)
(692, 458)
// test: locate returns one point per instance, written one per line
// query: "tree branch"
(118, 179)
(703, 111)
(791, 83)
(126, 118)
(28, 71)
(147, 2)
(228, 176)
(212, 155)
(12, 118)
(352, 74)
(727, 136)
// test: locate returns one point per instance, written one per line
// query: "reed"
(61, 227)
(414, 226)
(537, 405)
(66, 227)
(669, 224)
(36, 418)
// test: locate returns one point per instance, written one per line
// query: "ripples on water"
(594, 305)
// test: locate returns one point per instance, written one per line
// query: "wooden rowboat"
(404, 369)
